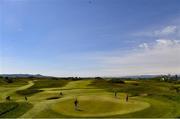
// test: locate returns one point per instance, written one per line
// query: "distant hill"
(143, 76)
(146, 76)
(22, 75)
(42, 76)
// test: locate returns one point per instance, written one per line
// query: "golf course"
(53, 98)
(86, 59)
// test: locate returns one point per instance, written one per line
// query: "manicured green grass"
(159, 108)
(97, 106)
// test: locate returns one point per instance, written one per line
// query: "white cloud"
(167, 43)
(162, 57)
(166, 30)
(144, 45)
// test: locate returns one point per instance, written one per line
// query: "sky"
(90, 37)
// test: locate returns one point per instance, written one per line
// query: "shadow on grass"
(52, 98)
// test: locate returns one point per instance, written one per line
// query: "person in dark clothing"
(115, 94)
(76, 104)
(127, 98)
(61, 94)
(8, 98)
(25, 98)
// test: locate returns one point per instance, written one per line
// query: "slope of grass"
(81, 84)
(48, 83)
(16, 82)
(7, 107)
(139, 87)
(13, 109)
(42, 83)
(7, 89)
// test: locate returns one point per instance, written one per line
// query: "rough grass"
(7, 107)
(13, 109)
(40, 83)
(48, 83)
(15, 83)
(28, 92)
(137, 87)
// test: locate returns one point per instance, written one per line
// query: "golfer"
(25, 98)
(115, 94)
(76, 104)
(8, 98)
(61, 94)
(127, 98)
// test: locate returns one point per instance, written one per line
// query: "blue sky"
(90, 37)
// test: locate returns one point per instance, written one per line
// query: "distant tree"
(54, 78)
(8, 98)
(177, 89)
(116, 81)
(8, 80)
(31, 77)
(69, 78)
(176, 77)
(169, 76)
(98, 78)
(74, 78)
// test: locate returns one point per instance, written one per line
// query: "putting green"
(97, 106)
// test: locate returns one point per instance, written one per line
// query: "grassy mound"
(38, 84)
(93, 106)
(48, 83)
